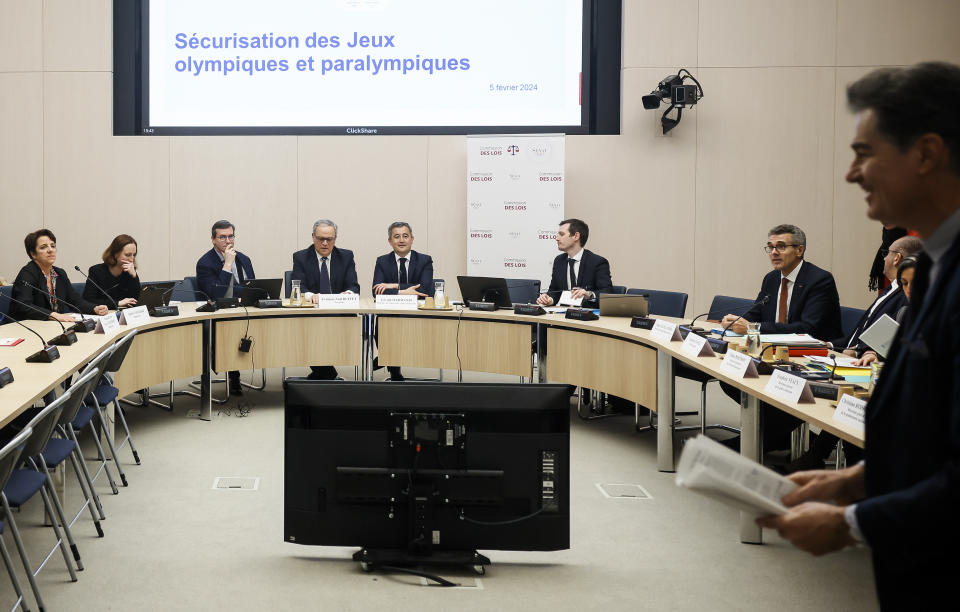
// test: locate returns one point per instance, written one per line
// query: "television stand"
(371, 558)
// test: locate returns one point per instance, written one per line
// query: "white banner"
(514, 205)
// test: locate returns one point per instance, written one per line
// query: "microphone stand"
(83, 325)
(45, 355)
(102, 290)
(66, 337)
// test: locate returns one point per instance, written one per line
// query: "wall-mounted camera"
(674, 91)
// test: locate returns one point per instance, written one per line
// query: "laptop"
(256, 289)
(617, 305)
(155, 294)
(485, 289)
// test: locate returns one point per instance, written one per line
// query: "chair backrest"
(185, 290)
(98, 361)
(523, 290)
(849, 317)
(119, 353)
(6, 292)
(43, 425)
(78, 390)
(723, 305)
(663, 303)
(617, 289)
(10, 453)
(286, 282)
(79, 287)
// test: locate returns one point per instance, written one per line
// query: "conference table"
(607, 355)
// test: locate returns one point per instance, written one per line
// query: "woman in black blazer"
(40, 277)
(117, 275)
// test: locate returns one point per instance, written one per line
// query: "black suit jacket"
(213, 280)
(593, 275)
(912, 455)
(343, 272)
(419, 272)
(814, 306)
(890, 307)
(40, 301)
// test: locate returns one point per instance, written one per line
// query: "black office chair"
(617, 289)
(523, 290)
(286, 283)
(849, 317)
(663, 303)
(185, 290)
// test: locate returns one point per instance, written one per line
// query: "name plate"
(567, 300)
(333, 301)
(789, 388)
(396, 302)
(738, 365)
(665, 331)
(134, 316)
(697, 346)
(851, 411)
(107, 323)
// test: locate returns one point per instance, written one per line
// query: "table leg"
(751, 447)
(206, 404)
(665, 406)
(541, 331)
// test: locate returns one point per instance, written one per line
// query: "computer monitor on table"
(485, 289)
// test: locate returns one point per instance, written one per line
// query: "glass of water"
(753, 339)
(296, 298)
(439, 298)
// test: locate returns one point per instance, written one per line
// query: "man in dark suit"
(221, 269)
(902, 500)
(796, 297)
(324, 268)
(402, 271)
(584, 273)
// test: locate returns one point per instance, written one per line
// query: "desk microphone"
(45, 355)
(210, 306)
(700, 331)
(67, 336)
(92, 282)
(267, 302)
(83, 325)
(761, 302)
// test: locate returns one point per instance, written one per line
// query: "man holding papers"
(902, 500)
(584, 273)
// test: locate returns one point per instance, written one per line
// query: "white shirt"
(396, 257)
(576, 267)
(791, 281)
(309, 294)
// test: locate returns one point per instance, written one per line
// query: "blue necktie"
(324, 277)
(573, 274)
(403, 272)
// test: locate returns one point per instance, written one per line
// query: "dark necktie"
(782, 316)
(324, 277)
(573, 273)
(403, 271)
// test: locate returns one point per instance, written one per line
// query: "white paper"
(842, 361)
(738, 365)
(566, 299)
(851, 411)
(106, 323)
(396, 302)
(664, 331)
(788, 339)
(327, 301)
(697, 346)
(134, 316)
(880, 335)
(711, 469)
(789, 388)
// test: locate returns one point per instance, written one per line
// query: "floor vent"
(233, 483)
(623, 491)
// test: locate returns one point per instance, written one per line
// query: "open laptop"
(256, 289)
(155, 294)
(617, 305)
(485, 289)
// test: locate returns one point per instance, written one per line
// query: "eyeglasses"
(779, 247)
(885, 252)
(324, 240)
(223, 238)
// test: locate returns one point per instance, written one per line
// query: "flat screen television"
(426, 472)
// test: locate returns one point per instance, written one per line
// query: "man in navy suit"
(402, 271)
(221, 269)
(324, 268)
(584, 273)
(796, 297)
(902, 500)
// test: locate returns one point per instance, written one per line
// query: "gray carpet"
(174, 543)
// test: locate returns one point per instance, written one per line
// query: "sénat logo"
(476, 205)
(513, 149)
(539, 150)
(515, 235)
(476, 261)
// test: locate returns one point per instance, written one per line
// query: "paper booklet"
(709, 468)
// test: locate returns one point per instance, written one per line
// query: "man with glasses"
(796, 297)
(220, 270)
(324, 268)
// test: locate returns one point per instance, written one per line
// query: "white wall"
(689, 211)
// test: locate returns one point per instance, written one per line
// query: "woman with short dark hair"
(117, 275)
(45, 287)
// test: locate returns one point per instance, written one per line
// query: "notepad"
(10, 341)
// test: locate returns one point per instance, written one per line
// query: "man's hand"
(229, 255)
(380, 288)
(815, 527)
(412, 290)
(126, 302)
(101, 309)
(545, 300)
(866, 359)
(838, 486)
(737, 324)
(578, 293)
